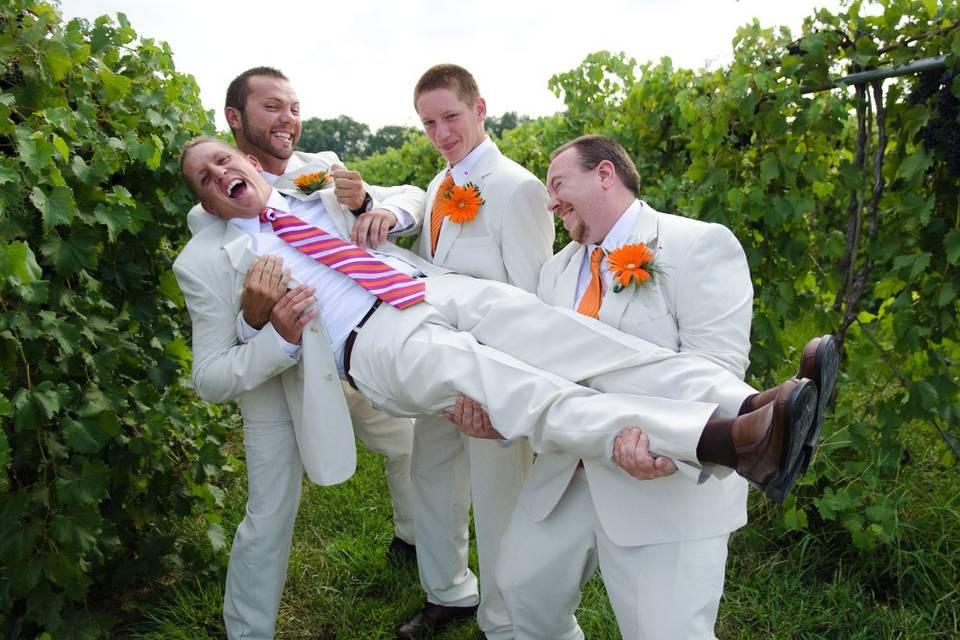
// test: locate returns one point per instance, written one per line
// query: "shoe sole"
(826, 365)
(799, 415)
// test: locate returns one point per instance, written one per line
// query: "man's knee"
(516, 580)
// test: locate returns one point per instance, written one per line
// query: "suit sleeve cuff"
(245, 333)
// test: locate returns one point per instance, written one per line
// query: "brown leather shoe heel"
(432, 618)
(820, 363)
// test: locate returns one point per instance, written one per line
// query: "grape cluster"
(941, 135)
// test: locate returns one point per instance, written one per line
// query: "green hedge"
(102, 446)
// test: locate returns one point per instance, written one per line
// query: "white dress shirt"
(341, 302)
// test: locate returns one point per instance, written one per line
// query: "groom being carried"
(689, 407)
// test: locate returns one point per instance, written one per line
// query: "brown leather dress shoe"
(769, 441)
(432, 618)
(819, 362)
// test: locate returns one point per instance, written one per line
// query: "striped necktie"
(593, 296)
(436, 214)
(392, 286)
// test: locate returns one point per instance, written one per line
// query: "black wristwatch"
(366, 206)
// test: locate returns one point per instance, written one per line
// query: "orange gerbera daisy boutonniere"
(310, 182)
(631, 264)
(462, 203)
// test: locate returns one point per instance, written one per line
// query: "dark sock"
(747, 405)
(716, 443)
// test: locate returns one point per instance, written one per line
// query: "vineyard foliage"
(102, 447)
(845, 199)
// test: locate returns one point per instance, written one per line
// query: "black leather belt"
(351, 338)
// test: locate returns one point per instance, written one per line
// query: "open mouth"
(286, 136)
(236, 188)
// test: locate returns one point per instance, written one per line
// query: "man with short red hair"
(507, 238)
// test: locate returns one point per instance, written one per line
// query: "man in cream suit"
(508, 241)
(661, 544)
(262, 110)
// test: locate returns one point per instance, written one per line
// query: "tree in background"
(496, 125)
(350, 139)
(343, 135)
(389, 137)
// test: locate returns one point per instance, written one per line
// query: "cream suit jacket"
(702, 303)
(266, 382)
(496, 244)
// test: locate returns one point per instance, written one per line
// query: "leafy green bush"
(101, 446)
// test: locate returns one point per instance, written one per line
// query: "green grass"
(790, 585)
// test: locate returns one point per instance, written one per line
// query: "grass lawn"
(340, 584)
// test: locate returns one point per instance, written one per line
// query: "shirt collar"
(293, 163)
(252, 225)
(620, 234)
(461, 171)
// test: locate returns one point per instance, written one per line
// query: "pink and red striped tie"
(392, 286)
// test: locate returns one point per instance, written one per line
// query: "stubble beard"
(578, 231)
(262, 141)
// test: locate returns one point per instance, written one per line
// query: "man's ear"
(480, 107)
(607, 173)
(232, 114)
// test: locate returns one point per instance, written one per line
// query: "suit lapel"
(615, 304)
(449, 232)
(567, 282)
(236, 243)
(338, 213)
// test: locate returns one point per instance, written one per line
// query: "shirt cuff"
(405, 221)
(248, 333)
(292, 350)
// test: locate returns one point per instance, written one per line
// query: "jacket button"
(329, 377)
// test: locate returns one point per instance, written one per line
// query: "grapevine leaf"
(953, 246)
(7, 174)
(16, 259)
(89, 487)
(115, 87)
(57, 206)
(914, 164)
(217, 536)
(71, 254)
(61, 146)
(35, 152)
